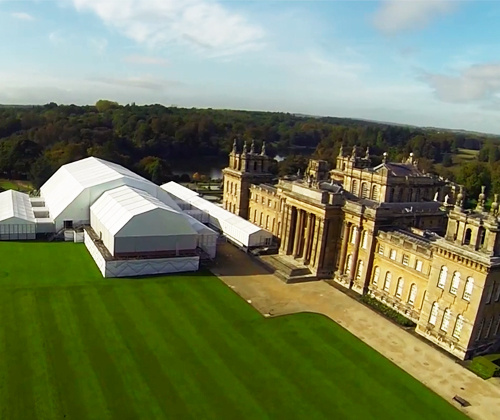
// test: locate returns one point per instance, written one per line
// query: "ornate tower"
(245, 168)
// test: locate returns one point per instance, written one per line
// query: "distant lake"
(210, 166)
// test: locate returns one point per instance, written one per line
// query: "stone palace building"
(391, 231)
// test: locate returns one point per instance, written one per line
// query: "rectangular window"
(497, 328)
(393, 254)
(488, 328)
(381, 249)
(458, 326)
(497, 294)
(419, 265)
(489, 295)
(406, 259)
(269, 202)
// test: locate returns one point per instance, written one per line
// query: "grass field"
(76, 346)
(9, 184)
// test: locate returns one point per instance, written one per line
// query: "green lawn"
(9, 184)
(76, 346)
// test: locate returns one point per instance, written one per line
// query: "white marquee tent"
(17, 220)
(131, 221)
(235, 228)
(70, 192)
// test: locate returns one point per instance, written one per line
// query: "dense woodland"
(36, 140)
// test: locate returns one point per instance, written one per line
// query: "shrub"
(387, 311)
(483, 367)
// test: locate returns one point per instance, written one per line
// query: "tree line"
(36, 140)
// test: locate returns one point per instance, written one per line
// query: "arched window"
(261, 217)
(391, 195)
(227, 186)
(348, 264)
(267, 222)
(376, 275)
(481, 235)
(410, 194)
(354, 188)
(455, 282)
(445, 323)
(469, 286)
(459, 324)
(375, 193)
(365, 191)
(413, 294)
(387, 281)
(399, 288)
(442, 277)
(468, 235)
(354, 234)
(359, 272)
(480, 330)
(364, 240)
(434, 313)
(488, 327)
(255, 216)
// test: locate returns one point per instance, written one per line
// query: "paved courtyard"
(272, 297)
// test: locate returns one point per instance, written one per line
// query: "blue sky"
(431, 63)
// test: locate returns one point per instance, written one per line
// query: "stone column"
(285, 224)
(292, 227)
(309, 238)
(298, 232)
(354, 265)
(320, 245)
(343, 249)
(315, 240)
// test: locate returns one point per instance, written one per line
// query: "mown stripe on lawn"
(21, 403)
(228, 395)
(6, 319)
(128, 363)
(310, 395)
(407, 396)
(171, 383)
(116, 394)
(247, 357)
(82, 395)
(44, 390)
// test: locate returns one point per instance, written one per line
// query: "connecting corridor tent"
(17, 220)
(130, 221)
(235, 228)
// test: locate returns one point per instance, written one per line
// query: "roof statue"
(384, 159)
(298, 173)
(494, 206)
(252, 146)
(341, 151)
(367, 154)
(353, 155)
(459, 203)
(244, 148)
(234, 146)
(263, 151)
(481, 199)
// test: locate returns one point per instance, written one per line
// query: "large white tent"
(235, 228)
(17, 220)
(70, 192)
(130, 221)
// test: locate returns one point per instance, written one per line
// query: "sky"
(420, 62)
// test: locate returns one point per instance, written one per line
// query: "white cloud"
(205, 25)
(143, 82)
(99, 45)
(399, 15)
(22, 16)
(477, 83)
(56, 38)
(146, 60)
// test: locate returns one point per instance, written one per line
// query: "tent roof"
(72, 179)
(212, 209)
(16, 204)
(116, 207)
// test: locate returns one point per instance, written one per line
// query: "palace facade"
(390, 231)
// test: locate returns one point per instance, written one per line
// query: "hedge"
(483, 367)
(387, 311)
